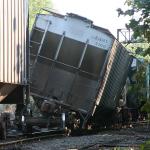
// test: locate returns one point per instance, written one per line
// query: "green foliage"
(140, 76)
(139, 89)
(140, 50)
(139, 11)
(34, 8)
(145, 146)
(146, 107)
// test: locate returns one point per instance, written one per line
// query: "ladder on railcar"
(39, 43)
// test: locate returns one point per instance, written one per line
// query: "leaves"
(120, 12)
(139, 11)
(146, 107)
(130, 12)
(145, 146)
(129, 2)
(34, 8)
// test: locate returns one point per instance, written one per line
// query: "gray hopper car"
(76, 64)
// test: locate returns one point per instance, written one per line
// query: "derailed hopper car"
(76, 65)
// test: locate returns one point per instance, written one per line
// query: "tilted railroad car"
(76, 65)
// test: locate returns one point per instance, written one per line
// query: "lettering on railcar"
(100, 41)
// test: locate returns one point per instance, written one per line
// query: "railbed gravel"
(122, 137)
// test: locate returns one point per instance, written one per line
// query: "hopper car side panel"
(71, 59)
(76, 63)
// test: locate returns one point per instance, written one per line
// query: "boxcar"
(13, 50)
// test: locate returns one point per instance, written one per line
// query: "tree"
(34, 8)
(139, 11)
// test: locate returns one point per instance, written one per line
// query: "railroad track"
(111, 145)
(37, 136)
(30, 138)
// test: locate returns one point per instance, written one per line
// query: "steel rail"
(29, 139)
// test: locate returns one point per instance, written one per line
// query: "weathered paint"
(78, 65)
(13, 28)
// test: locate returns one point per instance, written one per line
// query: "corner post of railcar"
(21, 108)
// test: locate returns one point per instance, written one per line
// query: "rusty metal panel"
(13, 28)
(114, 78)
